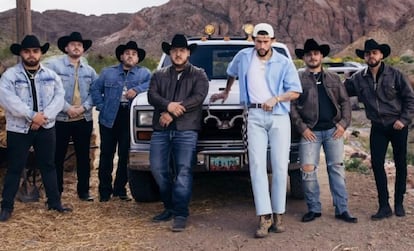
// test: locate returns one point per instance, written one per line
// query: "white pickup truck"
(220, 146)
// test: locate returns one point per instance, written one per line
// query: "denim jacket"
(106, 90)
(281, 76)
(66, 71)
(16, 97)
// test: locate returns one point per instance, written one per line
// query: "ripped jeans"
(309, 153)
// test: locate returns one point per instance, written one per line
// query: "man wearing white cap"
(268, 81)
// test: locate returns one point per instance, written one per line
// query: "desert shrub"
(356, 165)
(99, 61)
(407, 59)
(410, 158)
(392, 60)
(299, 63)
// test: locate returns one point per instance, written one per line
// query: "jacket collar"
(67, 61)
(276, 57)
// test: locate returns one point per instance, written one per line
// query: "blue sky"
(87, 7)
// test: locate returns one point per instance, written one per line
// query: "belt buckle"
(256, 105)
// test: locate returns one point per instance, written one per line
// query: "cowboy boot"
(264, 225)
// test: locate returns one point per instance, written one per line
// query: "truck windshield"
(215, 58)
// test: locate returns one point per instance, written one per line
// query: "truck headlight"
(144, 118)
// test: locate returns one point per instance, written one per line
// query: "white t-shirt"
(256, 81)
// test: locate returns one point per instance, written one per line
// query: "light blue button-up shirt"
(67, 72)
(281, 76)
(16, 97)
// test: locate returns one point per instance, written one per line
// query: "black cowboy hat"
(132, 46)
(178, 41)
(312, 45)
(370, 45)
(74, 36)
(29, 41)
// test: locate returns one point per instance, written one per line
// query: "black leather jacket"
(390, 99)
(304, 110)
(191, 91)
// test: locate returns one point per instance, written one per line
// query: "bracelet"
(277, 99)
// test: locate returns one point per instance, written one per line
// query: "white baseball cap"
(263, 27)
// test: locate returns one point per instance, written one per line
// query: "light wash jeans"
(264, 128)
(309, 155)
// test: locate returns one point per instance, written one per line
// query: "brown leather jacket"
(304, 110)
(391, 99)
(191, 91)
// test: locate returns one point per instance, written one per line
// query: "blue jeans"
(309, 155)
(172, 156)
(263, 129)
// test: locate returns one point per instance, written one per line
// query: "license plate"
(225, 163)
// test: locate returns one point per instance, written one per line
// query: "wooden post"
(23, 19)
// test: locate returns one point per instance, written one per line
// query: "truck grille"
(213, 127)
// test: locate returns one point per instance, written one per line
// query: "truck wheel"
(296, 189)
(143, 186)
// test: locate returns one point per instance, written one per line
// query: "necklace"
(318, 77)
(31, 74)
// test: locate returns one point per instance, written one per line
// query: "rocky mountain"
(50, 25)
(338, 22)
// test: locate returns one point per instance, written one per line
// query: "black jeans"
(118, 135)
(379, 139)
(18, 145)
(81, 132)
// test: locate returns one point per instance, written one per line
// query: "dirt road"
(222, 218)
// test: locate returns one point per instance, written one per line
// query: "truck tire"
(143, 186)
(296, 189)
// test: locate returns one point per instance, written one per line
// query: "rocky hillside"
(50, 25)
(337, 22)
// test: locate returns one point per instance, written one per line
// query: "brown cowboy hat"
(178, 41)
(131, 45)
(312, 45)
(29, 41)
(74, 36)
(370, 45)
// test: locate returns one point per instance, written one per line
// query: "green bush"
(299, 63)
(99, 61)
(356, 165)
(407, 59)
(392, 60)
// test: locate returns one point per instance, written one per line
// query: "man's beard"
(262, 55)
(179, 65)
(31, 62)
(75, 56)
(129, 63)
(374, 64)
(313, 66)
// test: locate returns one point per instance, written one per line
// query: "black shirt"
(327, 110)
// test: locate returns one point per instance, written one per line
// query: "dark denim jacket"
(106, 91)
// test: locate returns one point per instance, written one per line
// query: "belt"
(124, 105)
(258, 106)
